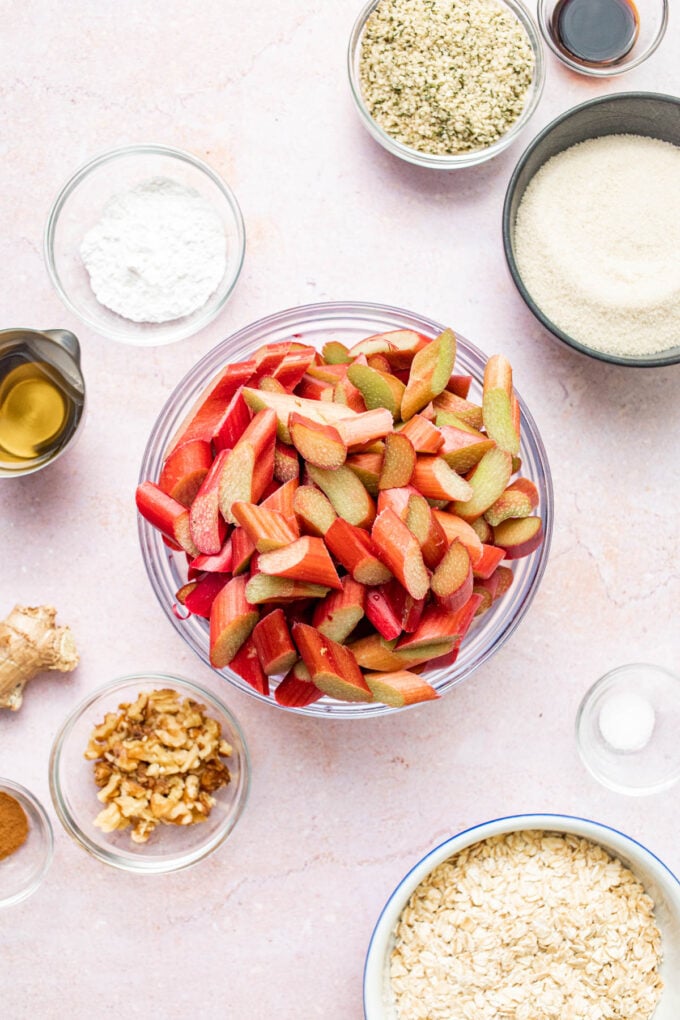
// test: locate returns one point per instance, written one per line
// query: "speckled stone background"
(276, 924)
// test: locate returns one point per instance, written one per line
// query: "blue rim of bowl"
(289, 317)
(612, 69)
(656, 361)
(143, 149)
(454, 161)
(483, 825)
(139, 865)
(11, 786)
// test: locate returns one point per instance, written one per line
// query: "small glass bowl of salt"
(627, 729)
(145, 244)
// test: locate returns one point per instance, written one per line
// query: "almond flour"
(445, 76)
(527, 925)
(597, 243)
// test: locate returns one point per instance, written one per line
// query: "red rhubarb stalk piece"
(437, 624)
(206, 522)
(497, 404)
(167, 515)
(204, 416)
(281, 590)
(399, 461)
(452, 581)
(519, 536)
(295, 693)
(400, 552)
(317, 443)
(246, 663)
(267, 529)
(185, 469)
(396, 499)
(293, 367)
(491, 557)
(346, 494)
(365, 427)
(282, 498)
(200, 600)
(243, 549)
(249, 468)
(400, 688)
(381, 614)
(306, 559)
(454, 527)
(233, 423)
(313, 510)
(232, 619)
(337, 615)
(425, 437)
(434, 479)
(273, 642)
(460, 385)
(424, 525)
(221, 563)
(286, 462)
(331, 665)
(354, 549)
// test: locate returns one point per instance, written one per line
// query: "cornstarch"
(597, 243)
(157, 253)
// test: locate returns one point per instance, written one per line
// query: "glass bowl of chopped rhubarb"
(345, 509)
(445, 86)
(150, 773)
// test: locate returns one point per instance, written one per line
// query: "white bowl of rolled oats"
(150, 773)
(529, 916)
(445, 83)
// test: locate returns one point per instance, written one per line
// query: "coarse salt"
(626, 721)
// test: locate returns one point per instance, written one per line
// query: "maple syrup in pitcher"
(595, 32)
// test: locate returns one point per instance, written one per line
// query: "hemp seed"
(445, 76)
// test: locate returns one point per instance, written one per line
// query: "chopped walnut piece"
(157, 760)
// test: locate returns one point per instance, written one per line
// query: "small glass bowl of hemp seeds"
(445, 83)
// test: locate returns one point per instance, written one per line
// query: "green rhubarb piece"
(431, 370)
(379, 389)
(285, 404)
(488, 480)
(346, 494)
(335, 353)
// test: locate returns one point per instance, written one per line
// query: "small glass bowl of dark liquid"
(603, 37)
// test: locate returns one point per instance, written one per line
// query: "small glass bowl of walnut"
(150, 773)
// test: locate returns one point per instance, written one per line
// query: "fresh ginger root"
(30, 643)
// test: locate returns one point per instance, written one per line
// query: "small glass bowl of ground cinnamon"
(26, 843)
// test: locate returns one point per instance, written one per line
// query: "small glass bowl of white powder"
(627, 729)
(145, 244)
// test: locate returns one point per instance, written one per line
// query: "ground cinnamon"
(13, 825)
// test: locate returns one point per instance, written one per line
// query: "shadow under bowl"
(650, 114)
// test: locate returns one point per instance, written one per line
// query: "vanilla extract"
(595, 32)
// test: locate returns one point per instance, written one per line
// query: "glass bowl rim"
(632, 791)
(454, 161)
(21, 793)
(611, 70)
(292, 319)
(142, 865)
(659, 360)
(144, 149)
(530, 820)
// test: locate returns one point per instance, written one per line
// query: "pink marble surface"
(276, 924)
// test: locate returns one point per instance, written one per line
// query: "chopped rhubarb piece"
(249, 468)
(485, 598)
(400, 688)
(294, 693)
(437, 624)
(462, 410)
(491, 557)
(268, 529)
(282, 498)
(425, 437)
(166, 514)
(233, 423)
(452, 580)
(293, 366)
(399, 461)
(313, 389)
(377, 344)
(406, 608)
(420, 520)
(206, 522)
(286, 463)
(185, 469)
(518, 500)
(433, 477)
(330, 374)
(318, 444)
(335, 353)
(232, 619)
(460, 385)
(454, 527)
(429, 373)
(268, 358)
(505, 578)
(199, 601)
(488, 481)
(518, 537)
(247, 664)
(271, 385)
(285, 404)
(403, 345)
(221, 563)
(365, 427)
(375, 653)
(345, 393)
(313, 510)
(274, 644)
(367, 467)
(306, 559)
(339, 613)
(243, 548)
(380, 363)
(399, 550)
(396, 499)
(381, 614)
(331, 665)
(497, 407)
(202, 419)
(281, 590)
(346, 493)
(186, 589)
(354, 549)
(463, 446)
(483, 530)
(379, 389)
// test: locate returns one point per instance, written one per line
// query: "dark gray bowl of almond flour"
(645, 114)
